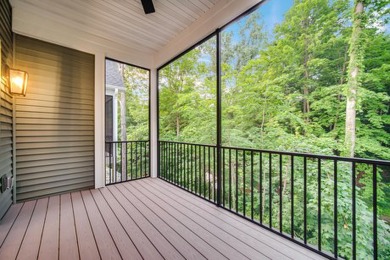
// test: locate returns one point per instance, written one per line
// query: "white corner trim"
(99, 120)
(153, 123)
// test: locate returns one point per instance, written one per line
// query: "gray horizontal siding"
(55, 121)
(6, 149)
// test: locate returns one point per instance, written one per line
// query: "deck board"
(142, 243)
(231, 222)
(104, 240)
(144, 219)
(225, 243)
(247, 246)
(162, 244)
(10, 248)
(124, 243)
(181, 244)
(86, 240)
(50, 236)
(8, 221)
(32, 240)
(68, 238)
(186, 232)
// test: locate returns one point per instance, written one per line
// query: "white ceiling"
(120, 28)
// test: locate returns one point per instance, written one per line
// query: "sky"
(271, 12)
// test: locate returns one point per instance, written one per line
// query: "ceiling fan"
(148, 6)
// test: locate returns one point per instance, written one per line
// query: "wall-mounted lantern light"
(18, 82)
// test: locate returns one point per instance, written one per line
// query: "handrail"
(317, 156)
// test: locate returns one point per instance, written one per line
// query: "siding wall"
(5, 104)
(55, 121)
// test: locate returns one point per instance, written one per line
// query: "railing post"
(219, 117)
(153, 125)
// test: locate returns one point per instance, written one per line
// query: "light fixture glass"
(18, 82)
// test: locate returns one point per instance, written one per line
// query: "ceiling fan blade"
(148, 6)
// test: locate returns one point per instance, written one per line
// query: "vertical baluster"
(215, 173)
(305, 199)
(165, 172)
(168, 162)
(375, 211)
(261, 188)
(195, 171)
(270, 189)
(174, 162)
(131, 160)
(353, 210)
(335, 243)
(236, 180)
(319, 205)
(162, 158)
(244, 183)
(121, 160)
(180, 164)
(252, 185)
(292, 196)
(145, 160)
(187, 161)
(136, 160)
(209, 179)
(223, 179)
(171, 162)
(115, 162)
(204, 171)
(126, 161)
(200, 170)
(140, 160)
(177, 164)
(230, 179)
(280, 193)
(192, 168)
(165, 160)
(110, 163)
(189, 165)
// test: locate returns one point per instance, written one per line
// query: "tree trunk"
(342, 71)
(177, 126)
(123, 133)
(306, 92)
(354, 70)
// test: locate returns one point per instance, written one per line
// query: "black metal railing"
(328, 204)
(191, 166)
(128, 160)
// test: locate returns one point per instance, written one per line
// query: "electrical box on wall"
(6, 183)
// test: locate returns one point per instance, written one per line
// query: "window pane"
(187, 99)
(127, 102)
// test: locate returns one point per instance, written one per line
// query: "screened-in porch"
(202, 129)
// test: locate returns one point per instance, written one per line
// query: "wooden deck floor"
(144, 219)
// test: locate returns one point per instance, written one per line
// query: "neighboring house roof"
(114, 78)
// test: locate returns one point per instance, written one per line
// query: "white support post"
(153, 123)
(99, 120)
